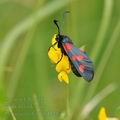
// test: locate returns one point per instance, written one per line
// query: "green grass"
(29, 88)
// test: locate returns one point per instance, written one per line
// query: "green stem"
(11, 112)
(37, 107)
(68, 103)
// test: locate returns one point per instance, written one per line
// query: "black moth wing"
(81, 65)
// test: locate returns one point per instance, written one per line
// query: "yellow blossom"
(103, 116)
(54, 55)
(62, 76)
(54, 41)
(62, 65)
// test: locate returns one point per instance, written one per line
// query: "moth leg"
(52, 46)
(60, 58)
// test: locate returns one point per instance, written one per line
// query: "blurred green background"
(29, 88)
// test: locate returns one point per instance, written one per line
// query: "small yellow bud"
(62, 76)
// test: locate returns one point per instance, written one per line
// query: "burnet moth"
(80, 63)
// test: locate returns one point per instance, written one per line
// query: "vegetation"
(29, 87)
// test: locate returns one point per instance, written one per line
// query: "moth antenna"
(55, 22)
(63, 18)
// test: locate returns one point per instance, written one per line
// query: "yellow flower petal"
(102, 114)
(62, 76)
(53, 38)
(54, 55)
(63, 65)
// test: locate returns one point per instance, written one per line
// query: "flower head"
(62, 76)
(62, 62)
(103, 116)
(54, 52)
(54, 55)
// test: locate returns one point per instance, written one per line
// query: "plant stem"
(11, 112)
(37, 107)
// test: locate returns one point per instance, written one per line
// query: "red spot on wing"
(74, 58)
(80, 57)
(81, 68)
(77, 58)
(67, 47)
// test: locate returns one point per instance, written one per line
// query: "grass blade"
(11, 112)
(96, 100)
(107, 14)
(104, 61)
(36, 104)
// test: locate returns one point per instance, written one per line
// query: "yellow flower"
(54, 55)
(62, 65)
(54, 52)
(54, 41)
(103, 116)
(62, 76)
